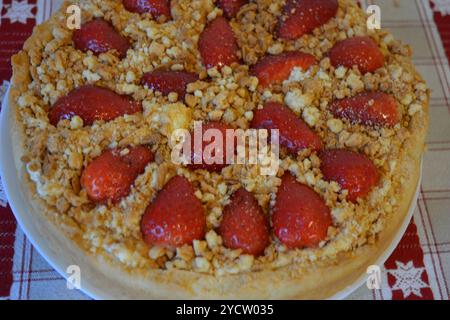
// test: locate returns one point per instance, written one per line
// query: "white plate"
(60, 252)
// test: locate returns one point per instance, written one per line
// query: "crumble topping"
(56, 156)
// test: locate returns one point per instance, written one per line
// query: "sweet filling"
(105, 101)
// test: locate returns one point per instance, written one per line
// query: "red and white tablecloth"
(420, 266)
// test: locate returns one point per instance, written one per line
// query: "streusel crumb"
(56, 156)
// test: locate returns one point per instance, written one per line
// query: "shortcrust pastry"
(101, 103)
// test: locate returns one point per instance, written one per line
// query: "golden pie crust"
(362, 232)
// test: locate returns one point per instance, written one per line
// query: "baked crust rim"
(290, 282)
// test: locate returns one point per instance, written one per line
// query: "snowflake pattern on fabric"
(19, 11)
(442, 6)
(408, 279)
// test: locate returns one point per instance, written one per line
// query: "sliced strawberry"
(362, 52)
(275, 69)
(169, 81)
(300, 216)
(217, 44)
(92, 103)
(99, 36)
(156, 8)
(368, 108)
(300, 17)
(205, 158)
(175, 217)
(352, 171)
(295, 135)
(244, 225)
(110, 176)
(231, 7)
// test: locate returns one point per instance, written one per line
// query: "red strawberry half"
(295, 135)
(92, 103)
(99, 36)
(217, 44)
(368, 108)
(231, 7)
(110, 176)
(169, 81)
(362, 52)
(300, 216)
(276, 69)
(353, 171)
(244, 225)
(208, 157)
(175, 217)
(300, 17)
(156, 8)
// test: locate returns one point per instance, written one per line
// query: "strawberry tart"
(95, 109)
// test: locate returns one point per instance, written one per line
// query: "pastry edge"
(290, 282)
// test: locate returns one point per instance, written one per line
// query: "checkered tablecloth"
(420, 266)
